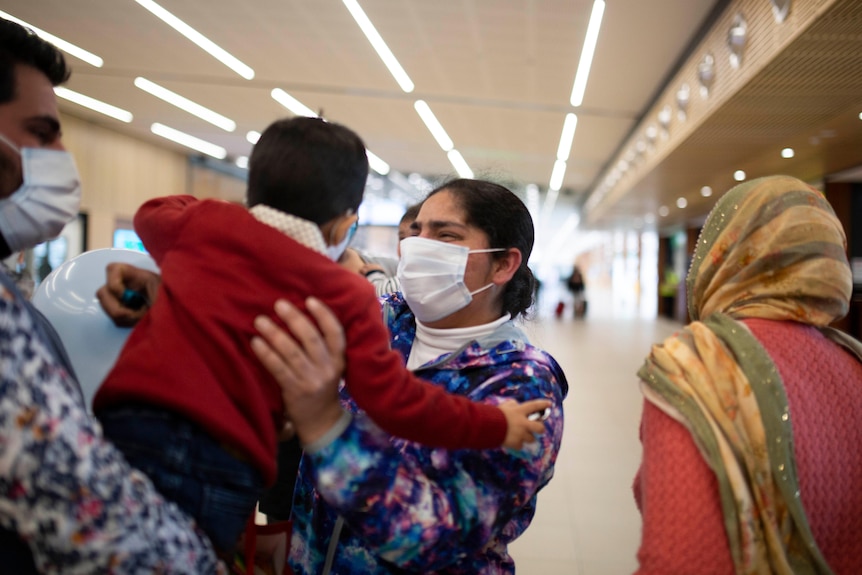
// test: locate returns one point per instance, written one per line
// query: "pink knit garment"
(683, 528)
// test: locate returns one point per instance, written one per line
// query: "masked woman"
(752, 447)
(369, 503)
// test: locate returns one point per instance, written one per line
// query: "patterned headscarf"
(771, 248)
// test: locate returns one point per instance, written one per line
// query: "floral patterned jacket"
(64, 490)
(409, 508)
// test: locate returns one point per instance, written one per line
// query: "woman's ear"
(506, 265)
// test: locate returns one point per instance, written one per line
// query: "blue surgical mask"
(335, 252)
(47, 200)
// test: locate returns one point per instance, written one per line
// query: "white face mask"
(48, 199)
(335, 252)
(432, 277)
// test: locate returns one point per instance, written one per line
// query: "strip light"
(67, 47)
(457, 161)
(202, 41)
(252, 137)
(434, 126)
(379, 45)
(292, 103)
(188, 141)
(567, 137)
(557, 175)
(182, 103)
(93, 104)
(376, 163)
(589, 50)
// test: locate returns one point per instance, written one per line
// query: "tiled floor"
(586, 522)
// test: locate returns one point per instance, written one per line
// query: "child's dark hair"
(308, 168)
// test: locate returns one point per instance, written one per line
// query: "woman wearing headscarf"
(752, 446)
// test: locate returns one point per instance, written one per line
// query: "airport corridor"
(586, 522)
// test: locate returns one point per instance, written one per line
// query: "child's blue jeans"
(188, 467)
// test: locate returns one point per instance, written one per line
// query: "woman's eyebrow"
(436, 225)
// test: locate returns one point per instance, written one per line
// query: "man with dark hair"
(187, 400)
(68, 500)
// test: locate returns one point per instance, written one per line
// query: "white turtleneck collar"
(431, 343)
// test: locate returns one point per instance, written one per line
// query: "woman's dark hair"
(19, 45)
(309, 168)
(506, 221)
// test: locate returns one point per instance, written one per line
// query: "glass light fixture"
(780, 10)
(665, 116)
(739, 175)
(681, 203)
(787, 153)
(683, 97)
(736, 38)
(706, 191)
(651, 133)
(706, 74)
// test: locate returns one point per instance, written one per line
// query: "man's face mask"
(47, 200)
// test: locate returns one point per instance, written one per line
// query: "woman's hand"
(307, 363)
(119, 278)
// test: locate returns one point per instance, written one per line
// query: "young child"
(188, 402)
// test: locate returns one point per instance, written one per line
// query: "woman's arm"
(67, 491)
(409, 503)
(424, 509)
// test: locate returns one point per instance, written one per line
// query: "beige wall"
(119, 173)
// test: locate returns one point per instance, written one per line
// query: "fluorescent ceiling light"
(182, 103)
(567, 136)
(208, 45)
(93, 104)
(457, 161)
(292, 103)
(379, 45)
(67, 47)
(252, 137)
(184, 139)
(547, 210)
(376, 163)
(434, 126)
(242, 162)
(557, 175)
(587, 53)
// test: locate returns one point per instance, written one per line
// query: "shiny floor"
(586, 521)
